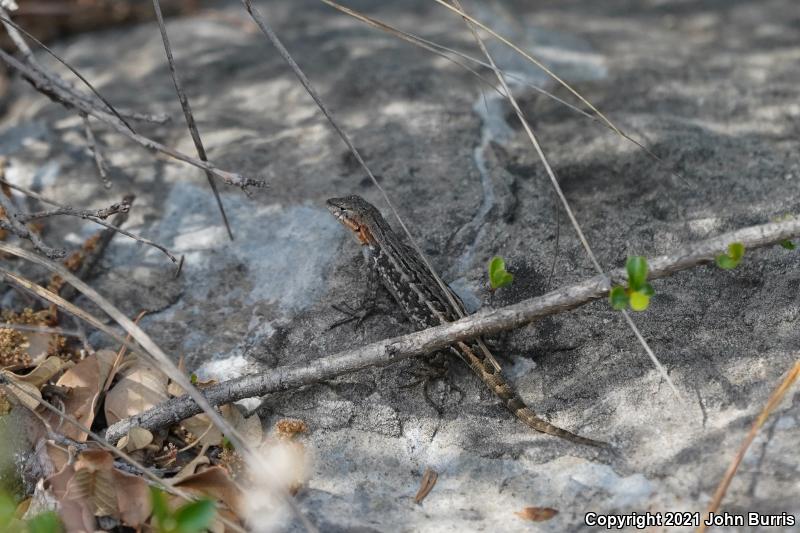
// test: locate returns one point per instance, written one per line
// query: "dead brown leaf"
(85, 382)
(426, 485)
(45, 371)
(215, 483)
(203, 430)
(141, 388)
(136, 439)
(537, 514)
(20, 392)
(191, 467)
(93, 487)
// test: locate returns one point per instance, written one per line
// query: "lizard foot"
(351, 315)
(435, 372)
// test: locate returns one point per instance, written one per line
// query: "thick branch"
(485, 322)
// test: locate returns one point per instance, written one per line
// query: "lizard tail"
(498, 384)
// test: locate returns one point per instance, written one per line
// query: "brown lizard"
(411, 283)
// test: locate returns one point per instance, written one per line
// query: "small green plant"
(638, 292)
(498, 276)
(46, 522)
(193, 517)
(789, 245)
(731, 260)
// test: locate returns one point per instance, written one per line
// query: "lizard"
(415, 288)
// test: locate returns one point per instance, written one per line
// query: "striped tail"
(496, 382)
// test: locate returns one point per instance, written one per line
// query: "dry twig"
(73, 100)
(187, 113)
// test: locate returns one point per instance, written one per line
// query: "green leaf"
(725, 262)
(161, 512)
(647, 289)
(46, 522)
(637, 271)
(789, 245)
(618, 298)
(498, 277)
(193, 379)
(195, 517)
(7, 509)
(639, 301)
(736, 251)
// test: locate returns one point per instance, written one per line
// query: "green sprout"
(789, 245)
(730, 260)
(498, 277)
(193, 517)
(46, 522)
(638, 292)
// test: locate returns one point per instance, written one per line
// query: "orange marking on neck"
(364, 235)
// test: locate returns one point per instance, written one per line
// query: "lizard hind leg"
(435, 371)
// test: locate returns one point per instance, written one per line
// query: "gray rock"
(712, 88)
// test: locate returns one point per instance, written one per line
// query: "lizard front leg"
(368, 304)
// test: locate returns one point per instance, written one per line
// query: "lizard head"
(356, 214)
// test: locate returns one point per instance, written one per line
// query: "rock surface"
(711, 87)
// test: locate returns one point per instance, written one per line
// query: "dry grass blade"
(773, 402)
(119, 453)
(443, 51)
(39, 329)
(485, 322)
(457, 9)
(71, 69)
(149, 348)
(187, 113)
(276, 42)
(562, 197)
(147, 345)
(65, 210)
(69, 99)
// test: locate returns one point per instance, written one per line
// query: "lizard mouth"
(343, 218)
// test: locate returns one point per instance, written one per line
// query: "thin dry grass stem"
(12, 224)
(49, 296)
(94, 149)
(774, 400)
(103, 443)
(8, 21)
(120, 355)
(146, 347)
(276, 42)
(16, 37)
(87, 215)
(485, 322)
(457, 9)
(103, 213)
(187, 113)
(73, 100)
(40, 329)
(440, 50)
(562, 197)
